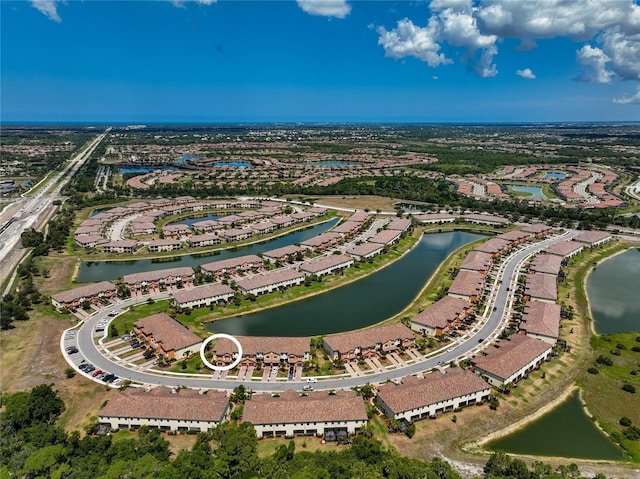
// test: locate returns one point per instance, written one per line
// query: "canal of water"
(566, 431)
(356, 305)
(613, 293)
(110, 270)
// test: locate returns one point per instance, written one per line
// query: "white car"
(312, 380)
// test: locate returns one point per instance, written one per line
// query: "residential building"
(330, 264)
(176, 231)
(347, 228)
(270, 351)
(538, 230)
(433, 218)
(477, 261)
(482, 219)
(322, 241)
(541, 287)
(206, 239)
(166, 336)
(593, 238)
(386, 237)
(156, 279)
(93, 293)
(232, 265)
(541, 320)
(286, 253)
(205, 226)
(159, 245)
(515, 236)
(511, 360)
(236, 234)
(494, 246)
(442, 316)
(400, 224)
(467, 285)
(201, 296)
(121, 246)
(165, 409)
(565, 249)
(89, 241)
(369, 342)
(277, 280)
(546, 264)
(435, 394)
(290, 414)
(365, 250)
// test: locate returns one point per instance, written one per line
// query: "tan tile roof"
(541, 318)
(321, 239)
(290, 407)
(511, 356)
(252, 345)
(178, 272)
(201, 292)
(434, 388)
(536, 228)
(514, 235)
(166, 330)
(367, 338)
(161, 403)
(364, 249)
(591, 237)
(272, 277)
(346, 227)
(385, 236)
(284, 251)
(564, 248)
(231, 263)
(400, 224)
(542, 286)
(489, 218)
(332, 260)
(435, 217)
(439, 313)
(87, 291)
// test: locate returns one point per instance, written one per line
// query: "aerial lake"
(195, 218)
(535, 191)
(613, 293)
(91, 271)
(362, 303)
(566, 431)
(555, 175)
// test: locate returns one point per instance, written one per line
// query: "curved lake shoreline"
(367, 301)
(613, 303)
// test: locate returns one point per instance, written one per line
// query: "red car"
(99, 371)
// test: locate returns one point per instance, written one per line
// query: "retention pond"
(613, 293)
(566, 431)
(356, 305)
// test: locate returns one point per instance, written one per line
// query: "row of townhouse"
(270, 351)
(93, 293)
(483, 219)
(149, 280)
(166, 336)
(370, 342)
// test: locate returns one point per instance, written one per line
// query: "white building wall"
(317, 428)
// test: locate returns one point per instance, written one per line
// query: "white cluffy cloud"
(48, 8)
(612, 27)
(526, 73)
(625, 100)
(326, 8)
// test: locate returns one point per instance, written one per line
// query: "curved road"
(502, 294)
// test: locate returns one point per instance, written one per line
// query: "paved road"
(498, 308)
(38, 207)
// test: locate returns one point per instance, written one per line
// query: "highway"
(36, 208)
(497, 312)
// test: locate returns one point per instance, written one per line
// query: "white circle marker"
(221, 336)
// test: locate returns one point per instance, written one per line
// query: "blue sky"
(320, 60)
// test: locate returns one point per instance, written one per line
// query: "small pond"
(534, 191)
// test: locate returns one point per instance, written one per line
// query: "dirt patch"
(30, 355)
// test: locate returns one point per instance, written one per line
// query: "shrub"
(630, 388)
(632, 433)
(621, 346)
(615, 352)
(69, 373)
(604, 360)
(636, 349)
(625, 421)
(593, 371)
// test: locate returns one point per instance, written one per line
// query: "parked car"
(312, 380)
(71, 350)
(306, 387)
(98, 372)
(125, 337)
(113, 313)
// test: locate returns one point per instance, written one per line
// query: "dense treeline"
(15, 306)
(32, 445)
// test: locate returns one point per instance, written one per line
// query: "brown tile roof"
(283, 252)
(360, 216)
(547, 263)
(201, 292)
(514, 235)
(399, 224)
(231, 263)
(319, 264)
(467, 283)
(542, 286)
(166, 330)
(83, 292)
(252, 345)
(493, 246)
(477, 261)
(434, 388)
(346, 227)
(366, 338)
(290, 407)
(322, 239)
(272, 277)
(536, 228)
(511, 356)
(488, 218)
(541, 318)
(161, 403)
(435, 217)
(439, 313)
(178, 272)
(164, 242)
